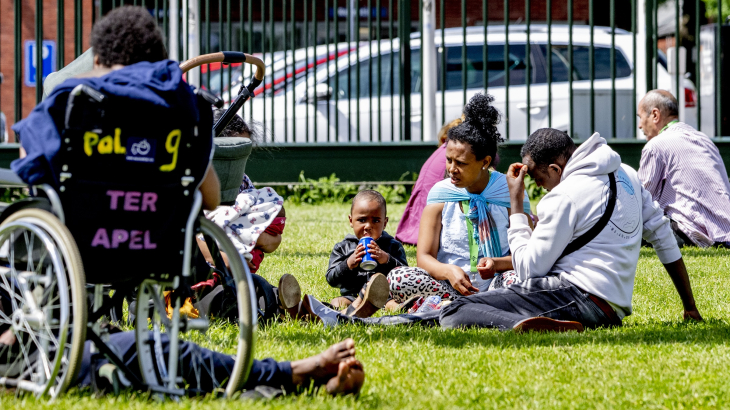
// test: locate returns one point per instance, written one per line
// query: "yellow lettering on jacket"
(106, 145)
(172, 145)
(118, 148)
(90, 140)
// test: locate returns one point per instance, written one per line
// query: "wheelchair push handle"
(229, 57)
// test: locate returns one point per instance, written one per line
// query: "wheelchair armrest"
(9, 178)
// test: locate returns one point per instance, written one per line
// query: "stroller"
(66, 240)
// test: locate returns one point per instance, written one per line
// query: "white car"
(291, 114)
(285, 65)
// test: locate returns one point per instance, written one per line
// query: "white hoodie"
(606, 266)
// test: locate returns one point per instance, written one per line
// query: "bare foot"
(349, 380)
(323, 366)
(392, 306)
(340, 303)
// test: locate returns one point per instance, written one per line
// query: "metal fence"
(353, 70)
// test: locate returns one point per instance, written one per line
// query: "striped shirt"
(683, 171)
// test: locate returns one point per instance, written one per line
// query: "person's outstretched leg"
(406, 282)
(548, 297)
(323, 368)
(330, 317)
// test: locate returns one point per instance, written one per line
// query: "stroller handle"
(228, 57)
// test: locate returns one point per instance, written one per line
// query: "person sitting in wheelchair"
(115, 147)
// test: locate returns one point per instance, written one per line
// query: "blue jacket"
(40, 133)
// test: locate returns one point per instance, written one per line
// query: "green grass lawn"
(654, 361)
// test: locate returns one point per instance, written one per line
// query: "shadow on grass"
(711, 332)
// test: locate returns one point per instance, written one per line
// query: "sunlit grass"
(654, 361)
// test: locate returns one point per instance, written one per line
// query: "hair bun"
(479, 128)
(480, 113)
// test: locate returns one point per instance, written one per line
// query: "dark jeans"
(549, 296)
(265, 372)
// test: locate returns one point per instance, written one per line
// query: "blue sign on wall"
(49, 60)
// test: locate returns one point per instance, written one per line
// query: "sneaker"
(318, 312)
(545, 324)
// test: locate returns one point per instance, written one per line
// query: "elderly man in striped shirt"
(683, 170)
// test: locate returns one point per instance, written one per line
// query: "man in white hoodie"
(593, 285)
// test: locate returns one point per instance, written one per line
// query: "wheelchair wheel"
(43, 303)
(195, 371)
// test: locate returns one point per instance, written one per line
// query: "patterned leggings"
(406, 282)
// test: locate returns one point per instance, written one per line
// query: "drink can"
(367, 263)
(431, 303)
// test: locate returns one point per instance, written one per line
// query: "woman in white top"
(474, 200)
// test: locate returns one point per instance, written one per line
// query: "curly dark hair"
(546, 145)
(238, 126)
(479, 128)
(127, 35)
(234, 128)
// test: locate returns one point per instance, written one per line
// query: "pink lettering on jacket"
(148, 201)
(134, 240)
(100, 239)
(114, 198)
(132, 200)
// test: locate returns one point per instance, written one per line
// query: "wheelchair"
(123, 217)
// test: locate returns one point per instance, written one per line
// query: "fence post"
(186, 30)
(428, 51)
(354, 10)
(38, 51)
(193, 24)
(174, 34)
(642, 68)
(404, 34)
(18, 69)
(648, 39)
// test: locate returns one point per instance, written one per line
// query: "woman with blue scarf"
(462, 238)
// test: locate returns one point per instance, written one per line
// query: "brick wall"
(7, 45)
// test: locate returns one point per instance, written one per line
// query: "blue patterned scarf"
(496, 193)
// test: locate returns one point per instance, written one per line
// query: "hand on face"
(516, 180)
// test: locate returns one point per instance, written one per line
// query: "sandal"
(290, 295)
(371, 299)
(405, 306)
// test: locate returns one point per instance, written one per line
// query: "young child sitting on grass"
(364, 292)
(255, 224)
